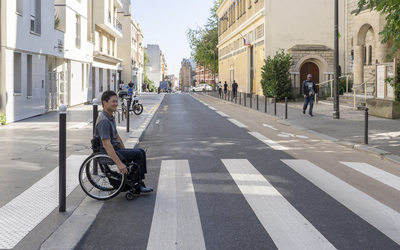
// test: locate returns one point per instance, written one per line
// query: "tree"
(203, 41)
(391, 8)
(275, 76)
(146, 79)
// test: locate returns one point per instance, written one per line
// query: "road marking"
(286, 226)
(269, 126)
(165, 107)
(375, 173)
(267, 141)
(176, 221)
(284, 134)
(212, 108)
(237, 123)
(372, 211)
(222, 114)
(157, 121)
(26, 211)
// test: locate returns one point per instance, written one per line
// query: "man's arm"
(111, 152)
(121, 144)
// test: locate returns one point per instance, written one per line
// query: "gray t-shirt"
(106, 128)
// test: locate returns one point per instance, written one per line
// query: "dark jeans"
(234, 93)
(225, 90)
(220, 92)
(308, 99)
(137, 156)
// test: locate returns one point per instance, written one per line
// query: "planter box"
(384, 108)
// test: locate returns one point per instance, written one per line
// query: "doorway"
(309, 68)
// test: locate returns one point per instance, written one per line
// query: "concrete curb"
(71, 232)
(384, 155)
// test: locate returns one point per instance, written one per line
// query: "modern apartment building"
(104, 30)
(132, 41)
(252, 30)
(29, 40)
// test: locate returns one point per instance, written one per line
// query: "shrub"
(275, 76)
(3, 120)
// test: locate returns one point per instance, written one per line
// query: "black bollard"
(95, 113)
(251, 100)
(274, 105)
(128, 104)
(366, 127)
(257, 101)
(285, 107)
(265, 97)
(245, 98)
(62, 159)
(240, 98)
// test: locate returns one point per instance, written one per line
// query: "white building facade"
(154, 67)
(132, 42)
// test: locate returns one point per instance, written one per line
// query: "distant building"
(187, 74)
(156, 68)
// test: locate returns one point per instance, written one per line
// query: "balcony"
(104, 18)
(118, 4)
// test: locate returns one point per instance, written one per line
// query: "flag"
(246, 44)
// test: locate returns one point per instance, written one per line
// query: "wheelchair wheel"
(138, 109)
(99, 177)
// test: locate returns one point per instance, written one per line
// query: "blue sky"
(165, 22)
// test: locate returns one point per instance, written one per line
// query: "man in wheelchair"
(106, 131)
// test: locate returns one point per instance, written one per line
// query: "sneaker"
(304, 112)
(145, 189)
(144, 185)
(311, 115)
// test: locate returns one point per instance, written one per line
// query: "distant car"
(201, 87)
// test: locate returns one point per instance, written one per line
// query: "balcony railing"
(109, 16)
(117, 25)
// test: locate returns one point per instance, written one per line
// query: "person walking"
(234, 89)
(220, 89)
(309, 91)
(225, 88)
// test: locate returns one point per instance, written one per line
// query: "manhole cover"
(70, 148)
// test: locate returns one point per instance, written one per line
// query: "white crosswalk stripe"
(267, 141)
(286, 226)
(374, 212)
(375, 173)
(176, 220)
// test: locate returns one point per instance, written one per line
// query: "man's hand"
(305, 95)
(122, 168)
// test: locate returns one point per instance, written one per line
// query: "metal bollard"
(236, 97)
(274, 105)
(265, 97)
(128, 104)
(95, 113)
(245, 98)
(285, 107)
(366, 127)
(62, 158)
(240, 98)
(257, 101)
(251, 100)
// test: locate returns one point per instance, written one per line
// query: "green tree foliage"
(391, 8)
(275, 76)
(146, 61)
(203, 41)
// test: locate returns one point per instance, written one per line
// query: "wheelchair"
(100, 178)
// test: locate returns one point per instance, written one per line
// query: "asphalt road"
(248, 183)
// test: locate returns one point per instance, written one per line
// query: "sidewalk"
(29, 153)
(383, 134)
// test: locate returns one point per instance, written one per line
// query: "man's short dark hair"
(107, 96)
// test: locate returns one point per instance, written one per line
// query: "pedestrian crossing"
(176, 215)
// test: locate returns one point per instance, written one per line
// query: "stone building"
(187, 74)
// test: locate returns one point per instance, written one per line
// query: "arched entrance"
(308, 68)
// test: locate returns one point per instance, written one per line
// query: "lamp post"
(336, 113)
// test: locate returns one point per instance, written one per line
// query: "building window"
(17, 73)
(78, 31)
(370, 55)
(35, 16)
(29, 80)
(365, 55)
(20, 8)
